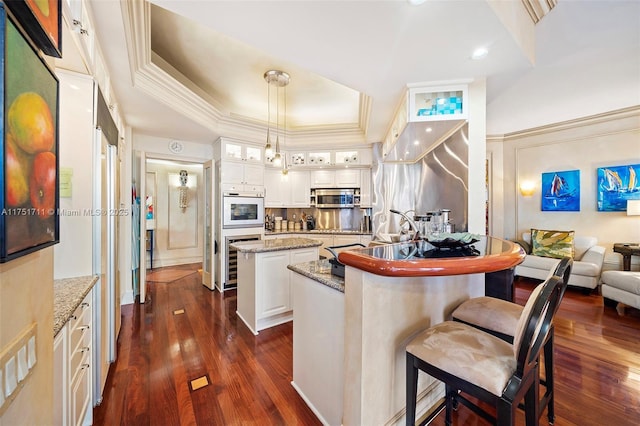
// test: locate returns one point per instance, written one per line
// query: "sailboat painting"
(617, 185)
(561, 191)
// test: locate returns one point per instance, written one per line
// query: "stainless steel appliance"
(231, 279)
(242, 210)
(335, 198)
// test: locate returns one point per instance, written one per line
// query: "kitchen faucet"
(416, 232)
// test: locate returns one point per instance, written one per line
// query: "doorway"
(173, 218)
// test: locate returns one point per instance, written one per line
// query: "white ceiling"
(349, 61)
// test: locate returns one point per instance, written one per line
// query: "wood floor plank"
(597, 363)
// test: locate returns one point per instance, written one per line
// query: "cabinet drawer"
(80, 394)
(79, 360)
(80, 324)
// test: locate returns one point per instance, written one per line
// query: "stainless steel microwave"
(336, 198)
(242, 211)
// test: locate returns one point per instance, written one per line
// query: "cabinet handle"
(83, 327)
(84, 366)
(84, 304)
(84, 349)
(73, 317)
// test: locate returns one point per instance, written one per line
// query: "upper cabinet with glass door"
(236, 151)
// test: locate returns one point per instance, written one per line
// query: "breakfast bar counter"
(393, 292)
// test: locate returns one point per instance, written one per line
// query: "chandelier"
(279, 80)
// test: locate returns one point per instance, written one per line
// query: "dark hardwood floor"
(159, 352)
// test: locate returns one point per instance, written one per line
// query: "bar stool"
(500, 318)
(483, 366)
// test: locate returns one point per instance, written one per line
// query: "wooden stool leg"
(412, 390)
(548, 398)
(532, 400)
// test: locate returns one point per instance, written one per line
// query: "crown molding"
(568, 124)
(156, 77)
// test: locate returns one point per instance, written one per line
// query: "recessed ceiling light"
(416, 142)
(480, 53)
(416, 2)
(428, 129)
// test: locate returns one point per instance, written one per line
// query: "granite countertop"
(67, 295)
(320, 271)
(320, 231)
(260, 246)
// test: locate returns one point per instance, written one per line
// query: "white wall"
(566, 82)
(604, 140)
(73, 255)
(178, 236)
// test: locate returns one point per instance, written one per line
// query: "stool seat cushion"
(490, 313)
(623, 280)
(468, 353)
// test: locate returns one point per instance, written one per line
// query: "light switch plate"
(23, 369)
(17, 361)
(10, 377)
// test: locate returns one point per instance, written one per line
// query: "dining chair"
(475, 363)
(500, 317)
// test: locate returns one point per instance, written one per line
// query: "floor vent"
(199, 383)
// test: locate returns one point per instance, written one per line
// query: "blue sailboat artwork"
(617, 185)
(561, 191)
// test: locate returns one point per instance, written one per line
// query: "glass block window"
(438, 103)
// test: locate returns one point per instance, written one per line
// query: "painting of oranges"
(29, 217)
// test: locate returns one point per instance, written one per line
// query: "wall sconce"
(184, 176)
(527, 188)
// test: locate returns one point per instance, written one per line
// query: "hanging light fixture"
(279, 79)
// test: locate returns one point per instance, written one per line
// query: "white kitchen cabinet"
(323, 178)
(365, 188)
(347, 178)
(61, 378)
(73, 367)
(240, 177)
(291, 190)
(273, 294)
(300, 185)
(341, 178)
(274, 193)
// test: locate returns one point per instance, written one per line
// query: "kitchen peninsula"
(264, 289)
(389, 295)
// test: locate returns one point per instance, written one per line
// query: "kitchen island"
(388, 296)
(264, 288)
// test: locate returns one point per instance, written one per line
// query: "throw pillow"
(556, 244)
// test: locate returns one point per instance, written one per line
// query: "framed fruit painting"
(29, 188)
(41, 20)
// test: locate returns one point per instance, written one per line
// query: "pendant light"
(278, 79)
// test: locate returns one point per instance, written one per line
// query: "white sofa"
(587, 262)
(622, 286)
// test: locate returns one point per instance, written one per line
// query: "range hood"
(419, 139)
(427, 115)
